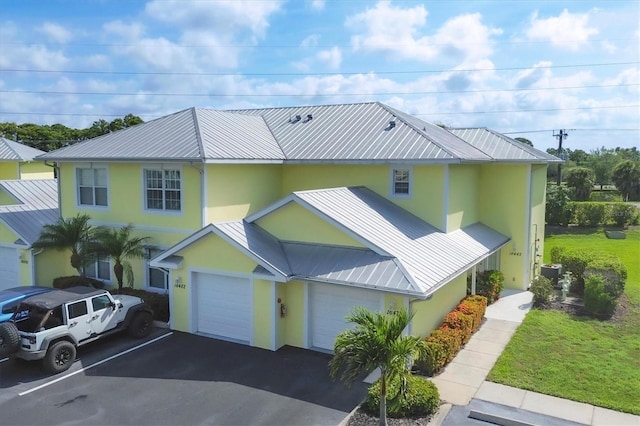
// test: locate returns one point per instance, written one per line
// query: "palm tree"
(72, 234)
(119, 244)
(377, 341)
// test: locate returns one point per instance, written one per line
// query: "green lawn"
(577, 358)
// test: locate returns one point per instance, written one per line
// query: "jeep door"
(79, 320)
(104, 316)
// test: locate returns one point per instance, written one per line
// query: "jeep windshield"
(31, 318)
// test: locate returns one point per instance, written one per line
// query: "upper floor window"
(92, 186)
(163, 189)
(401, 182)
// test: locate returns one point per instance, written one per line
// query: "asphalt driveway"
(178, 379)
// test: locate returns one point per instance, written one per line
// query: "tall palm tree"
(377, 341)
(68, 234)
(119, 245)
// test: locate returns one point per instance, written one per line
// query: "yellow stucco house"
(17, 161)
(269, 225)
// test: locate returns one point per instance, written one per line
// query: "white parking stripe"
(4, 359)
(44, 385)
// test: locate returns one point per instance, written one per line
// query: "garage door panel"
(329, 305)
(9, 268)
(223, 306)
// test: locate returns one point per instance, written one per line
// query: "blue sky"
(526, 68)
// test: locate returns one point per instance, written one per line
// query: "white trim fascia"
(171, 289)
(445, 200)
(243, 161)
(527, 236)
(143, 227)
(15, 246)
(274, 316)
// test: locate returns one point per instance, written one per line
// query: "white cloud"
(567, 30)
(310, 41)
(55, 32)
(318, 4)
(400, 34)
(331, 57)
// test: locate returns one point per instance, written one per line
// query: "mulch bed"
(622, 309)
(362, 418)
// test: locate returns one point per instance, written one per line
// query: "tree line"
(55, 136)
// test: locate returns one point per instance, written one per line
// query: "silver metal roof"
(348, 133)
(15, 151)
(431, 257)
(501, 147)
(36, 206)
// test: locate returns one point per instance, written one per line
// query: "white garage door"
(9, 275)
(223, 306)
(329, 305)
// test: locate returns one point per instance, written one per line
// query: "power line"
(573, 130)
(205, 95)
(41, 71)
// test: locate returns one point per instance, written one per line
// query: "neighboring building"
(17, 162)
(25, 207)
(270, 225)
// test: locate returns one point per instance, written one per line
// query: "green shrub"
(449, 340)
(76, 281)
(613, 271)
(542, 290)
(159, 302)
(574, 261)
(490, 284)
(606, 196)
(421, 398)
(475, 306)
(432, 359)
(461, 321)
(558, 206)
(622, 214)
(597, 300)
(589, 213)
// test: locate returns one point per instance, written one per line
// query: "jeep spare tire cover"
(9, 339)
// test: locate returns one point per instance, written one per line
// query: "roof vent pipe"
(309, 117)
(392, 124)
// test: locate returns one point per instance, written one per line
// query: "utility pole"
(560, 135)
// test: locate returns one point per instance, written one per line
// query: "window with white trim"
(92, 186)
(490, 263)
(401, 182)
(157, 279)
(99, 269)
(163, 189)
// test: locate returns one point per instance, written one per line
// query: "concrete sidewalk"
(464, 378)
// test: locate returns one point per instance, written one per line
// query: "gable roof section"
(36, 206)
(501, 147)
(346, 133)
(15, 151)
(404, 254)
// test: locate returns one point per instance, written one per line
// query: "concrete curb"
(438, 418)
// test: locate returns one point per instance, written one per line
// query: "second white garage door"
(9, 275)
(329, 305)
(223, 306)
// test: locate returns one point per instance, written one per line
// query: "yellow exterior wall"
(6, 199)
(463, 196)
(538, 204)
(292, 294)
(263, 311)
(9, 170)
(126, 198)
(234, 191)
(428, 184)
(35, 170)
(503, 206)
(294, 222)
(430, 313)
(51, 264)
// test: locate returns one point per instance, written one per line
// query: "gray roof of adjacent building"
(346, 133)
(16, 151)
(36, 206)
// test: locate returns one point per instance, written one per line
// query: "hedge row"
(593, 213)
(583, 263)
(442, 345)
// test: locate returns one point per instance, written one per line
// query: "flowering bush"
(490, 284)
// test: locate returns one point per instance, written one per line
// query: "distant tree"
(626, 177)
(602, 161)
(552, 151)
(132, 120)
(581, 180)
(579, 156)
(525, 141)
(558, 209)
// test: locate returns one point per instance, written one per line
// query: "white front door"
(223, 306)
(9, 268)
(329, 305)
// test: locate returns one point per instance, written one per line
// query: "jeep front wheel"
(141, 325)
(59, 357)
(9, 339)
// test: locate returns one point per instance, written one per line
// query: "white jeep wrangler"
(50, 326)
